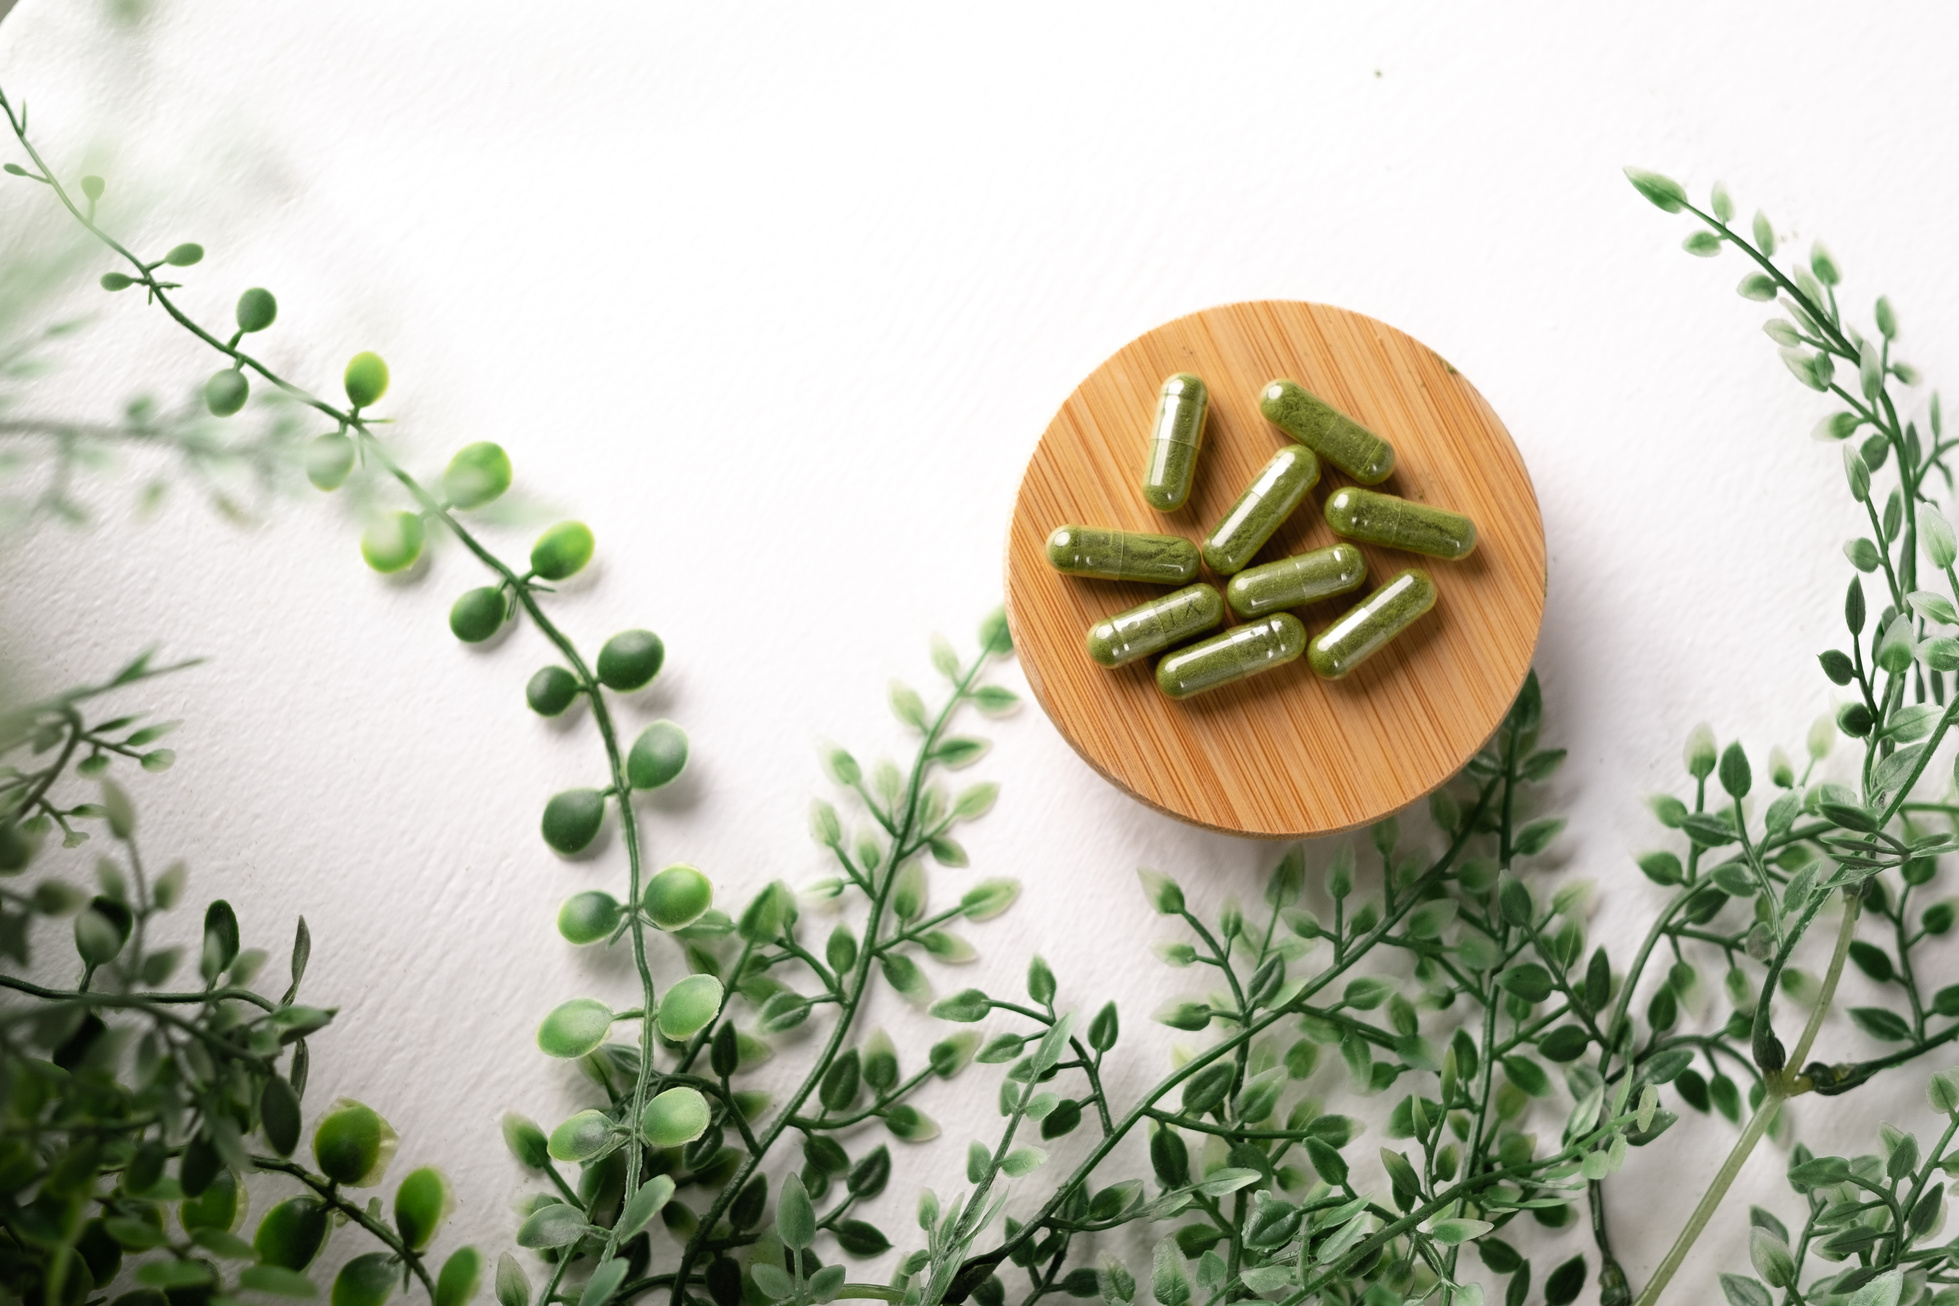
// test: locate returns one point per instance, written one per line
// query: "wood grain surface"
(1284, 754)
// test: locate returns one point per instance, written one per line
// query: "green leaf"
(1169, 1277)
(1529, 981)
(562, 551)
(1536, 837)
(352, 1145)
(582, 1137)
(574, 1028)
(858, 1238)
(1664, 192)
(513, 1286)
(795, 1218)
(1527, 1075)
(909, 1123)
(947, 852)
(1881, 1024)
(1162, 892)
(988, 899)
(1758, 287)
(959, 751)
(1702, 244)
(644, 1205)
(604, 1282)
(552, 1225)
(276, 1281)
(782, 1012)
(1451, 1232)
(1741, 1290)
(903, 974)
(1022, 1161)
(675, 1117)
(690, 1006)
(965, 1006)
(995, 700)
(907, 706)
(422, 1202)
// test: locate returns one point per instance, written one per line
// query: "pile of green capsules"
(1270, 636)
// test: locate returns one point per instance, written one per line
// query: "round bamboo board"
(1284, 754)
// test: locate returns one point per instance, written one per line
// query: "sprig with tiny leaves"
(699, 1131)
(87, 1146)
(393, 542)
(1866, 846)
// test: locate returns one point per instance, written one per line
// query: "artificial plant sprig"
(1894, 669)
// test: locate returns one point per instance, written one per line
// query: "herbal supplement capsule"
(1261, 509)
(1241, 651)
(1154, 626)
(1122, 555)
(1180, 409)
(1327, 431)
(1290, 582)
(1375, 518)
(1381, 616)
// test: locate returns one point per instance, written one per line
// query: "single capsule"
(1239, 652)
(1375, 518)
(1123, 555)
(1290, 582)
(1261, 509)
(1327, 431)
(1180, 410)
(1154, 626)
(1380, 616)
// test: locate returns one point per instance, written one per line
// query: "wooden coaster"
(1284, 754)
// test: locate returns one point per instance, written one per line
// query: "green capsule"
(1180, 409)
(1381, 616)
(1291, 582)
(1327, 431)
(1375, 518)
(1261, 509)
(1154, 626)
(1123, 555)
(1241, 651)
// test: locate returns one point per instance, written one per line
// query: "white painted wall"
(780, 297)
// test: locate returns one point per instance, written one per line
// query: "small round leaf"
(690, 1006)
(329, 460)
(352, 1144)
(478, 614)
(677, 897)
(657, 756)
(630, 659)
(257, 310)
(551, 691)
(562, 551)
(582, 1136)
(422, 1203)
(188, 254)
(572, 818)
(365, 1281)
(392, 542)
(461, 1275)
(292, 1233)
(588, 917)
(366, 379)
(575, 1028)
(477, 475)
(226, 391)
(675, 1117)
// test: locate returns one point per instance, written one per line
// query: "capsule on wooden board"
(1242, 651)
(1327, 431)
(1261, 509)
(1122, 555)
(1301, 579)
(1367, 628)
(1181, 407)
(1154, 626)
(1375, 518)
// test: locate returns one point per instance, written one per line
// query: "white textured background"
(779, 298)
